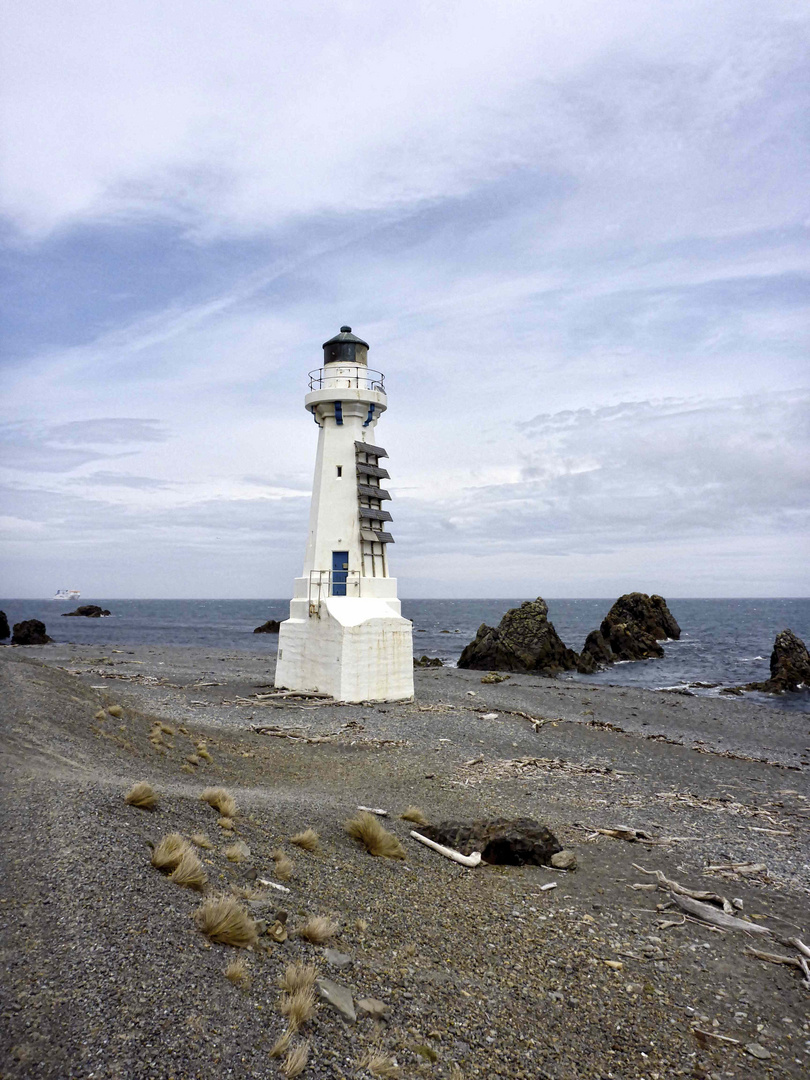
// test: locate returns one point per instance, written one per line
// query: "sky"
(574, 233)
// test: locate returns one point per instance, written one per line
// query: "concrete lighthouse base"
(352, 649)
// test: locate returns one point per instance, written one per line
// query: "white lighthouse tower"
(345, 635)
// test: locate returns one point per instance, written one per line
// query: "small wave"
(749, 659)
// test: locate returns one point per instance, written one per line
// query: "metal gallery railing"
(346, 377)
(324, 583)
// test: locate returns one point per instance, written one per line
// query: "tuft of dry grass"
(308, 840)
(296, 1061)
(202, 751)
(167, 729)
(237, 972)
(414, 814)
(202, 841)
(237, 851)
(220, 800)
(193, 759)
(284, 866)
(248, 892)
(168, 853)
(115, 710)
(143, 795)
(377, 840)
(188, 768)
(298, 977)
(222, 918)
(318, 929)
(189, 872)
(361, 925)
(298, 1007)
(281, 1045)
(379, 1064)
(100, 715)
(225, 823)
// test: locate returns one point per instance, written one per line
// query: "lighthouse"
(346, 636)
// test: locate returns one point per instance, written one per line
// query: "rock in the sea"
(596, 653)
(428, 661)
(524, 641)
(506, 841)
(5, 629)
(790, 666)
(631, 630)
(272, 626)
(89, 611)
(30, 632)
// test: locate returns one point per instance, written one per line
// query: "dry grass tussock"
(415, 815)
(379, 1064)
(284, 866)
(377, 840)
(237, 851)
(318, 930)
(222, 918)
(296, 1060)
(249, 892)
(237, 972)
(308, 840)
(298, 1007)
(202, 841)
(219, 798)
(168, 853)
(225, 823)
(281, 1045)
(298, 977)
(143, 795)
(192, 759)
(115, 710)
(203, 752)
(189, 872)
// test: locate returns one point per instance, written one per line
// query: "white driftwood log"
(463, 860)
(272, 885)
(374, 810)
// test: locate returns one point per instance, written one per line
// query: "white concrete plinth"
(355, 649)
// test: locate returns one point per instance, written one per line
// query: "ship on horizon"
(66, 594)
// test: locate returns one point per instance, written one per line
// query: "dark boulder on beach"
(88, 611)
(523, 641)
(30, 632)
(790, 666)
(428, 661)
(5, 629)
(505, 841)
(272, 626)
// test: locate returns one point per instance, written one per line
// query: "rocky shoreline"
(482, 972)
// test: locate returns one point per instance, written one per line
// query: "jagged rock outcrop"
(5, 629)
(272, 626)
(506, 841)
(30, 632)
(790, 666)
(88, 611)
(523, 641)
(631, 630)
(428, 661)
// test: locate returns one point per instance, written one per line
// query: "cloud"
(107, 429)
(123, 480)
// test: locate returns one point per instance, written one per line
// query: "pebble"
(372, 1007)
(757, 1051)
(339, 997)
(564, 860)
(337, 959)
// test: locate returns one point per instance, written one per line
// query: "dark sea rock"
(524, 641)
(633, 627)
(506, 841)
(790, 666)
(428, 661)
(30, 632)
(596, 653)
(88, 611)
(272, 626)
(5, 629)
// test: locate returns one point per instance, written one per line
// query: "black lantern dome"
(345, 348)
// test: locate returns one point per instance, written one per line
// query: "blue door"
(340, 564)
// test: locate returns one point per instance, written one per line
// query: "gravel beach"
(482, 972)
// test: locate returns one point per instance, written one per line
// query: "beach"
(483, 972)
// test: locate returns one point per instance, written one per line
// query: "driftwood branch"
(463, 860)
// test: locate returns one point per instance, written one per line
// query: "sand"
(483, 972)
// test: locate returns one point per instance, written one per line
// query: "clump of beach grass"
(281, 1045)
(193, 759)
(100, 715)
(142, 795)
(361, 925)
(220, 800)
(414, 814)
(168, 853)
(115, 710)
(237, 851)
(379, 1064)
(203, 752)
(284, 866)
(308, 840)
(202, 841)
(237, 971)
(298, 1007)
(318, 929)
(167, 729)
(189, 872)
(222, 918)
(296, 1061)
(225, 823)
(298, 977)
(377, 840)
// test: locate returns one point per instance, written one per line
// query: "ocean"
(727, 642)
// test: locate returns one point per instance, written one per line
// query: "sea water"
(727, 642)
